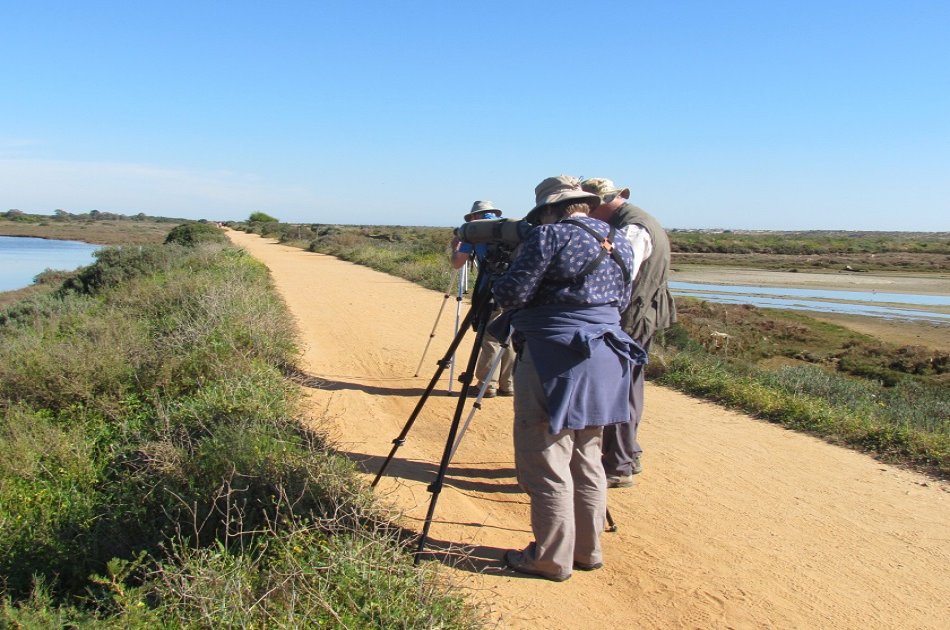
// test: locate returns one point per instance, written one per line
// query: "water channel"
(870, 303)
(23, 258)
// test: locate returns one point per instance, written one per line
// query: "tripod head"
(497, 259)
(493, 264)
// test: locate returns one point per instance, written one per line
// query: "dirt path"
(734, 523)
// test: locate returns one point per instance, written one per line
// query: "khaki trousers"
(491, 347)
(564, 478)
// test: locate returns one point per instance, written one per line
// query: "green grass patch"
(905, 424)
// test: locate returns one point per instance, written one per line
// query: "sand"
(734, 523)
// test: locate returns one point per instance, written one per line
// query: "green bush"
(191, 234)
(261, 217)
(49, 490)
(419, 255)
(115, 265)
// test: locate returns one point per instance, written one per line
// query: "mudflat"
(896, 331)
(734, 523)
(883, 282)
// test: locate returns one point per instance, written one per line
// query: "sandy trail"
(734, 523)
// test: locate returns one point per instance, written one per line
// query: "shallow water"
(23, 258)
(871, 303)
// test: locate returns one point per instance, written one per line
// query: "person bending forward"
(563, 295)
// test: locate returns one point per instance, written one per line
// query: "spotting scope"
(509, 232)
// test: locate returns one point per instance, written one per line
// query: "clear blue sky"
(733, 114)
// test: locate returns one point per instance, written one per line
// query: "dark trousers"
(620, 445)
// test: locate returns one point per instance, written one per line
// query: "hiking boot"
(491, 392)
(619, 481)
(516, 561)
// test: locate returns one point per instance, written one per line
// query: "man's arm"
(461, 252)
(642, 245)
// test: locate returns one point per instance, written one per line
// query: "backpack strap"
(606, 247)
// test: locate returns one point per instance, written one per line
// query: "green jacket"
(652, 307)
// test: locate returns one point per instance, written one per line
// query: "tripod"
(479, 313)
(462, 276)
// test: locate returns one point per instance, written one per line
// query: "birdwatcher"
(563, 294)
(500, 382)
(651, 309)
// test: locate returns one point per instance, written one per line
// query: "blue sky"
(758, 115)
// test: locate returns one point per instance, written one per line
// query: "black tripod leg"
(611, 526)
(443, 364)
(450, 443)
(480, 302)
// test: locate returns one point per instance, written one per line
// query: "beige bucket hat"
(603, 187)
(556, 189)
(481, 206)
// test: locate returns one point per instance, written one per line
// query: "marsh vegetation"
(814, 250)
(101, 228)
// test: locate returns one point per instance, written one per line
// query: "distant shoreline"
(104, 232)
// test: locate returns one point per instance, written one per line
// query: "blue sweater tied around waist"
(583, 359)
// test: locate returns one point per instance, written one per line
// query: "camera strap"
(606, 247)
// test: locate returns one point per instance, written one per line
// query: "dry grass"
(100, 232)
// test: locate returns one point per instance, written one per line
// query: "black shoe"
(588, 566)
(505, 392)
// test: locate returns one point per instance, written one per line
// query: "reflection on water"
(874, 304)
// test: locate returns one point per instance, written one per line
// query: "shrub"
(117, 264)
(191, 234)
(49, 477)
(261, 217)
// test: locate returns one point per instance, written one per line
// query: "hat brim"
(471, 215)
(591, 199)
